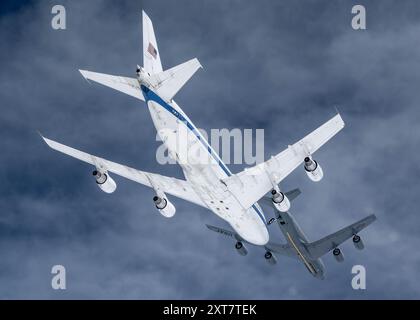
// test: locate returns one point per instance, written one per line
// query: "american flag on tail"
(152, 50)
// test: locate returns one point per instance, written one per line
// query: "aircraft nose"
(261, 237)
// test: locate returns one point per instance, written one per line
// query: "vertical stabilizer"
(151, 54)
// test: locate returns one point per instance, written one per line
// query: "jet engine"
(165, 207)
(270, 258)
(104, 181)
(241, 249)
(338, 255)
(280, 201)
(313, 170)
(358, 243)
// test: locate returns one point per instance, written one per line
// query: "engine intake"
(358, 243)
(338, 255)
(270, 258)
(313, 169)
(160, 203)
(165, 207)
(280, 201)
(241, 249)
(104, 181)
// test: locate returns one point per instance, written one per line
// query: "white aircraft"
(210, 184)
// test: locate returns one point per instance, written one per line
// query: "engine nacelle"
(270, 258)
(165, 207)
(358, 243)
(313, 170)
(280, 201)
(241, 249)
(104, 181)
(338, 255)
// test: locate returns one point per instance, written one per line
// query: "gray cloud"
(281, 66)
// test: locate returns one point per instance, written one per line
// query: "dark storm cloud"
(277, 65)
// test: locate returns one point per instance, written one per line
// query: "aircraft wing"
(253, 183)
(281, 249)
(169, 82)
(318, 248)
(176, 187)
(125, 85)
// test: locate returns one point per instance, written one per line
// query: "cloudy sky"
(282, 66)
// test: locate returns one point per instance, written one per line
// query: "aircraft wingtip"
(40, 134)
(144, 14)
(46, 140)
(210, 227)
(199, 63)
(84, 74)
(339, 117)
(337, 112)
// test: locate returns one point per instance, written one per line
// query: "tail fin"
(151, 55)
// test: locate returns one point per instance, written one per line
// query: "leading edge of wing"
(129, 86)
(251, 184)
(322, 246)
(173, 186)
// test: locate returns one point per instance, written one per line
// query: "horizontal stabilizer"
(167, 83)
(318, 248)
(126, 85)
(224, 232)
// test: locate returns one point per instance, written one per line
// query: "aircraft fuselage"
(203, 168)
(297, 240)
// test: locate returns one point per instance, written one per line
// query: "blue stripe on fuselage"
(150, 95)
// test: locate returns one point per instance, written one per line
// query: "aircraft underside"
(208, 182)
(204, 172)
